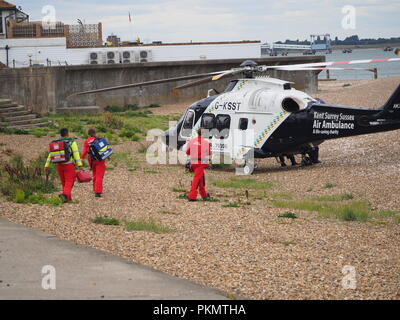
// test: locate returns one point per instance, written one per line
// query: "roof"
(6, 5)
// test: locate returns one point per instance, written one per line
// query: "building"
(25, 43)
(9, 12)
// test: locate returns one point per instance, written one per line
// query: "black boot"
(292, 160)
(282, 161)
(314, 155)
(98, 195)
(63, 197)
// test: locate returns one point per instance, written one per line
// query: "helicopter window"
(231, 85)
(243, 123)
(208, 121)
(188, 124)
(222, 124)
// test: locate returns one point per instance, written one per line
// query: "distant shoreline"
(366, 46)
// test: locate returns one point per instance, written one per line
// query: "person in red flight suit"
(199, 151)
(98, 167)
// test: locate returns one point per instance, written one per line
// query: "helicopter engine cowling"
(292, 104)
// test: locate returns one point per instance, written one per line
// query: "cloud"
(213, 20)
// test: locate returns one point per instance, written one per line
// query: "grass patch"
(231, 205)
(340, 197)
(349, 211)
(149, 226)
(21, 197)
(178, 190)
(243, 183)
(288, 215)
(123, 159)
(329, 185)
(106, 221)
(283, 196)
(20, 180)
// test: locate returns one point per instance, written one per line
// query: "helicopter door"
(187, 125)
(222, 137)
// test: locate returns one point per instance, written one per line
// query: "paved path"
(81, 273)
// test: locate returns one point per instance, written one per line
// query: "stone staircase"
(14, 116)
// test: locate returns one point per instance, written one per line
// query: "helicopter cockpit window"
(243, 123)
(231, 85)
(188, 124)
(222, 124)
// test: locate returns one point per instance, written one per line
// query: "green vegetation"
(124, 159)
(289, 215)
(129, 122)
(340, 197)
(231, 205)
(149, 226)
(21, 197)
(26, 182)
(13, 131)
(346, 211)
(245, 183)
(329, 185)
(106, 221)
(178, 190)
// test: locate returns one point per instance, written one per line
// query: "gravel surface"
(248, 250)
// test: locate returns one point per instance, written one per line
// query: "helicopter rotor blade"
(148, 83)
(192, 84)
(324, 68)
(324, 64)
(209, 79)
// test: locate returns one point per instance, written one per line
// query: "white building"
(53, 52)
(24, 44)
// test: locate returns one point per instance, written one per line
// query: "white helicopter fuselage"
(249, 113)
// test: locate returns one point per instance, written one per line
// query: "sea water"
(385, 69)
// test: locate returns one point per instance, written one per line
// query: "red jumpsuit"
(98, 167)
(199, 151)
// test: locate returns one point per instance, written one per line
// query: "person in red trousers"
(199, 151)
(66, 170)
(98, 167)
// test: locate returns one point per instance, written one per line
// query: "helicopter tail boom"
(392, 106)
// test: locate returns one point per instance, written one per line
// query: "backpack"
(99, 149)
(60, 151)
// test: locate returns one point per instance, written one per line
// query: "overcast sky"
(219, 20)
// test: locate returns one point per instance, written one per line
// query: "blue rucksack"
(99, 149)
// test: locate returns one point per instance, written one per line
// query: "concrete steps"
(80, 110)
(14, 116)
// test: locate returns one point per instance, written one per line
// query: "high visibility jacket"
(199, 151)
(75, 159)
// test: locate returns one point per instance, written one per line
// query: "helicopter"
(262, 117)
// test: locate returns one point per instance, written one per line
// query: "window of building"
(1, 23)
(243, 123)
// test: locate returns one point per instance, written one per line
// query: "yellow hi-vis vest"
(76, 157)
